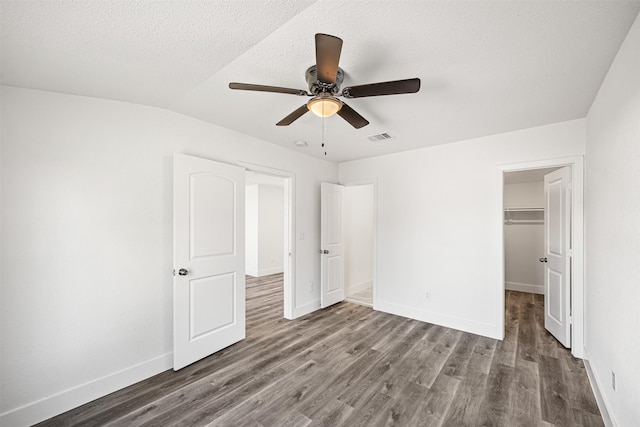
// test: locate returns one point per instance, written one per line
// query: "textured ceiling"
(486, 67)
(148, 52)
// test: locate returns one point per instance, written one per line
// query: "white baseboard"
(601, 399)
(63, 401)
(306, 309)
(354, 301)
(268, 271)
(524, 287)
(478, 328)
(354, 289)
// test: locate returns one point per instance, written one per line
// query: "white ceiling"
(486, 67)
(526, 176)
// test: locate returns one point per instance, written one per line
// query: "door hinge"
(569, 253)
(571, 320)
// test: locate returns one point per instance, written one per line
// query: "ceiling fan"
(324, 80)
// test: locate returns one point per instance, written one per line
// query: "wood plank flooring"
(348, 365)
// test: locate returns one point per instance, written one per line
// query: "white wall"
(524, 195)
(523, 242)
(251, 235)
(264, 232)
(87, 241)
(358, 237)
(613, 233)
(437, 227)
(270, 229)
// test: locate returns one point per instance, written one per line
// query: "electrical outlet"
(613, 380)
(427, 295)
(310, 285)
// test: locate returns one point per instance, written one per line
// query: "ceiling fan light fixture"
(324, 106)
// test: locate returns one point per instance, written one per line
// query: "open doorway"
(529, 217)
(524, 216)
(264, 225)
(210, 311)
(537, 246)
(359, 230)
(268, 238)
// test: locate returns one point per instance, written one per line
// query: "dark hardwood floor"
(351, 366)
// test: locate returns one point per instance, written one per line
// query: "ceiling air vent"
(380, 137)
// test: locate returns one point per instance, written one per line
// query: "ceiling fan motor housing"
(316, 86)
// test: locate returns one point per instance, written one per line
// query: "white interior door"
(332, 245)
(557, 259)
(209, 281)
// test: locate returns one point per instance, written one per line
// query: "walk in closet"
(524, 230)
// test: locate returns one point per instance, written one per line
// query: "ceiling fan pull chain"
(324, 126)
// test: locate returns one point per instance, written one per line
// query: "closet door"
(557, 255)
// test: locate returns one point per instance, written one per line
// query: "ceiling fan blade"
(395, 87)
(262, 88)
(293, 116)
(328, 50)
(351, 116)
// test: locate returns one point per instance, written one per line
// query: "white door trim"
(577, 243)
(290, 231)
(374, 182)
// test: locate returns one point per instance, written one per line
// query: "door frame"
(577, 243)
(374, 182)
(289, 255)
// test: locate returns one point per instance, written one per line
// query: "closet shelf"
(524, 209)
(523, 216)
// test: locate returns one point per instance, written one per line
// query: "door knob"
(543, 260)
(324, 251)
(183, 272)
